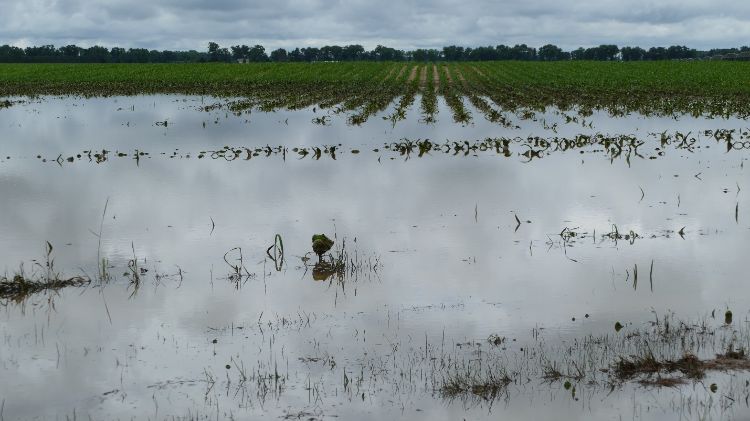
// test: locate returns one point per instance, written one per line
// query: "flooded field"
(158, 263)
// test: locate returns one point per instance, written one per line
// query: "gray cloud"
(190, 24)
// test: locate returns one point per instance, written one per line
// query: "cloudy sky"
(190, 24)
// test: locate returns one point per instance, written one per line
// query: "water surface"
(451, 248)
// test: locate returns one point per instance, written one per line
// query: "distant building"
(744, 56)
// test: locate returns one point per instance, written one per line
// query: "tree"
(381, 53)
(156, 56)
(602, 52)
(70, 51)
(656, 53)
(522, 52)
(44, 51)
(425, 55)
(240, 52)
(503, 52)
(138, 55)
(607, 52)
(578, 54)
(279, 55)
(632, 53)
(213, 51)
(257, 53)
(353, 52)
(10, 53)
(216, 53)
(332, 53)
(481, 54)
(117, 54)
(95, 54)
(296, 55)
(453, 53)
(551, 52)
(677, 52)
(310, 54)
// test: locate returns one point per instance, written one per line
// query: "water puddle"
(171, 257)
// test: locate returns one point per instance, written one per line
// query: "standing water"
(158, 264)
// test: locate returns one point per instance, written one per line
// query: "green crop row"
(369, 87)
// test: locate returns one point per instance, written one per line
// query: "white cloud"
(190, 24)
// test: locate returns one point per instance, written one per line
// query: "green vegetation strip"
(665, 86)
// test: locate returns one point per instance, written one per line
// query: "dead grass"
(663, 382)
(19, 287)
(43, 277)
(487, 386)
(689, 366)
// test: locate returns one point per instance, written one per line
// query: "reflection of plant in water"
(616, 235)
(135, 272)
(570, 235)
(278, 253)
(534, 147)
(528, 149)
(471, 379)
(322, 271)
(239, 274)
(341, 264)
(322, 121)
(741, 141)
(665, 352)
(669, 353)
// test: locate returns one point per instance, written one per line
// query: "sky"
(406, 24)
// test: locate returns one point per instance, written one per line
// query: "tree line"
(355, 52)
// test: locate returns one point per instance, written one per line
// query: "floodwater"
(526, 242)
